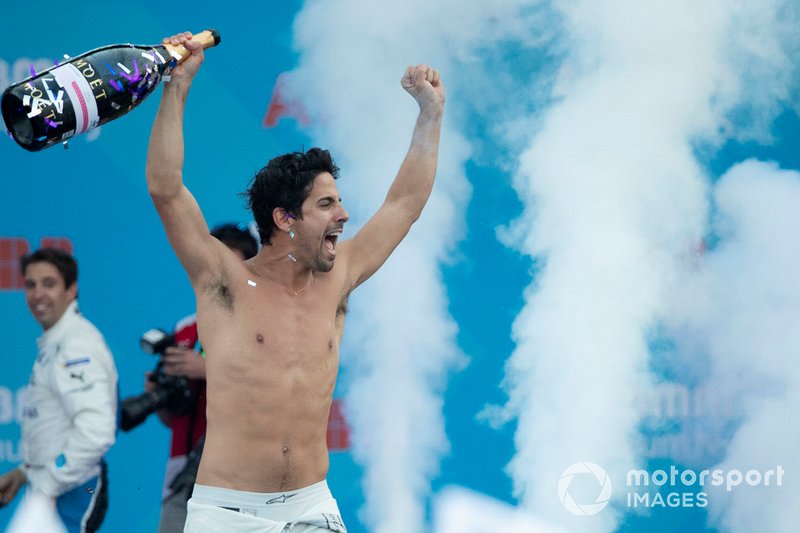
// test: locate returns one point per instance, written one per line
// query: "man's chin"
(324, 265)
(46, 322)
(40, 317)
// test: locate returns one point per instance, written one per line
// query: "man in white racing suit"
(70, 415)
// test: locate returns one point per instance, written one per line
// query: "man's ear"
(283, 219)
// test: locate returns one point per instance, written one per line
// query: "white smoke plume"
(745, 302)
(615, 202)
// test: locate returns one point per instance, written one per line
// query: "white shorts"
(310, 509)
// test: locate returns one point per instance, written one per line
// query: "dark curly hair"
(285, 182)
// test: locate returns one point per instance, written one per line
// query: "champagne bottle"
(88, 90)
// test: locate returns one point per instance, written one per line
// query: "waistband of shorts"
(241, 498)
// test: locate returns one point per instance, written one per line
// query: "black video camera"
(173, 393)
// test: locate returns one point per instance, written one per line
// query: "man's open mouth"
(330, 238)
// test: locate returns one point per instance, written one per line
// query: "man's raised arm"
(197, 250)
(412, 187)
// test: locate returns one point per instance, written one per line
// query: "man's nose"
(35, 292)
(343, 215)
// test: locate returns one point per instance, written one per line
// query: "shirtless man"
(271, 326)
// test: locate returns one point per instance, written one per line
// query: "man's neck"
(277, 267)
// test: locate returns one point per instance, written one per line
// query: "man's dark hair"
(60, 259)
(285, 182)
(238, 237)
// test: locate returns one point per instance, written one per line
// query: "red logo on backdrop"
(13, 248)
(61, 243)
(281, 106)
(338, 431)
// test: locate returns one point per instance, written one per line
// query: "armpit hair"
(341, 310)
(220, 291)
